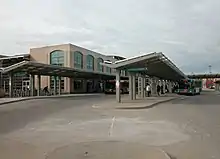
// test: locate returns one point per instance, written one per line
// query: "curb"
(164, 101)
(46, 97)
(150, 105)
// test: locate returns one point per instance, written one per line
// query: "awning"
(156, 64)
(36, 68)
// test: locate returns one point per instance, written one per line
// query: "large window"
(99, 66)
(78, 60)
(57, 58)
(90, 62)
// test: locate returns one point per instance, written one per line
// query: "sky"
(185, 31)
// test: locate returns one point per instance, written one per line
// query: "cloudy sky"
(187, 31)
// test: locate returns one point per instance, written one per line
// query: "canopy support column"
(118, 92)
(134, 86)
(32, 84)
(142, 86)
(11, 85)
(154, 86)
(170, 86)
(131, 95)
(55, 85)
(139, 85)
(59, 85)
(39, 85)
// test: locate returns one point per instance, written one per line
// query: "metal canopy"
(36, 68)
(157, 65)
(204, 76)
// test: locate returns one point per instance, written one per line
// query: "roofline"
(112, 55)
(73, 45)
(14, 56)
(134, 57)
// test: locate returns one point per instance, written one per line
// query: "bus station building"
(72, 69)
(67, 56)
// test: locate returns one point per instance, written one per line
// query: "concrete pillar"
(139, 85)
(32, 84)
(39, 85)
(131, 95)
(142, 86)
(59, 85)
(11, 84)
(163, 84)
(117, 84)
(134, 86)
(154, 86)
(170, 86)
(55, 85)
(84, 85)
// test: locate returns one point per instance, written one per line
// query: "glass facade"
(78, 60)
(99, 66)
(90, 62)
(57, 58)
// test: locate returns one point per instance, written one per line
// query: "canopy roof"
(152, 64)
(54, 70)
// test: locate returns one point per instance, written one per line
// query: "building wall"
(42, 55)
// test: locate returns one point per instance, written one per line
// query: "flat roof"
(156, 64)
(53, 70)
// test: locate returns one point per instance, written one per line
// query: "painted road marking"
(112, 126)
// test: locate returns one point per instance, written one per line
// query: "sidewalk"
(139, 103)
(126, 103)
(13, 100)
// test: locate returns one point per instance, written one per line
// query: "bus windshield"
(184, 85)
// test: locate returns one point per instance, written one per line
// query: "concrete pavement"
(91, 127)
(50, 128)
